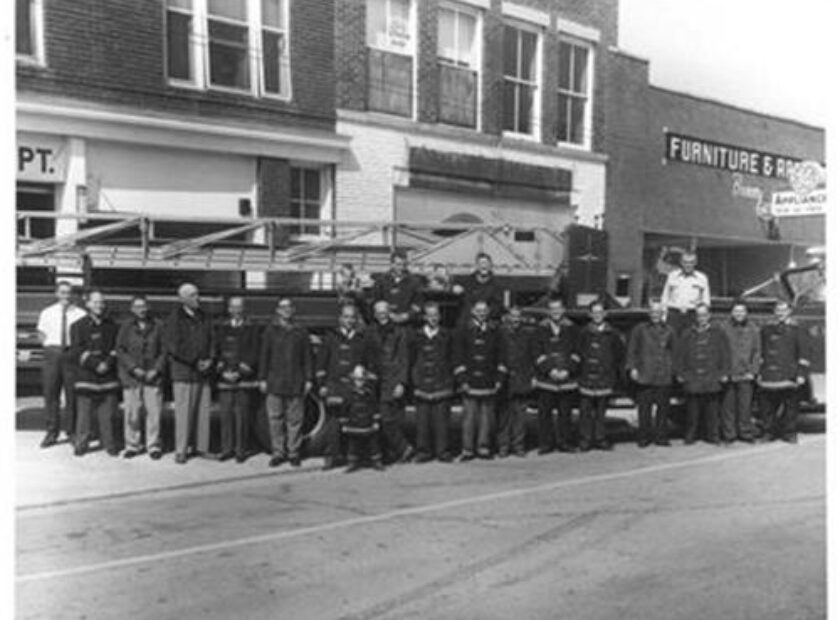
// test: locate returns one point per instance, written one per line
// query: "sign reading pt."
(700, 152)
(41, 158)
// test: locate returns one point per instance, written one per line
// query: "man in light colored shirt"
(54, 325)
(685, 289)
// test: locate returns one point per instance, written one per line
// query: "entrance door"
(33, 197)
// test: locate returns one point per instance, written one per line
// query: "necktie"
(64, 327)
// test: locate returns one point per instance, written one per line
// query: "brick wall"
(112, 52)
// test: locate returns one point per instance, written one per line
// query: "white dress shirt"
(49, 324)
(686, 291)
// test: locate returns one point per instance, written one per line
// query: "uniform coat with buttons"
(93, 342)
(403, 295)
(703, 359)
(601, 353)
(285, 359)
(518, 359)
(745, 348)
(785, 355)
(431, 364)
(188, 339)
(140, 348)
(234, 346)
(556, 349)
(337, 357)
(477, 289)
(650, 352)
(479, 360)
(388, 344)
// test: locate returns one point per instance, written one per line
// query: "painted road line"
(387, 516)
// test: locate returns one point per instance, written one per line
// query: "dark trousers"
(363, 447)
(103, 405)
(432, 428)
(736, 411)
(58, 372)
(477, 426)
(653, 427)
(680, 321)
(779, 410)
(593, 412)
(511, 418)
(555, 434)
(235, 420)
(703, 406)
(335, 443)
(394, 441)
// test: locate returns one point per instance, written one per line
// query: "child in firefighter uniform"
(784, 367)
(360, 423)
(601, 351)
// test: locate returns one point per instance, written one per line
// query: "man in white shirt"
(54, 325)
(685, 289)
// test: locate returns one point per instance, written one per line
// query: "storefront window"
(458, 66)
(390, 40)
(573, 93)
(520, 99)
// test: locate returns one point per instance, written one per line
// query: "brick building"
(192, 108)
(474, 111)
(689, 172)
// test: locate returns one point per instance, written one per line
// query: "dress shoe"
(130, 453)
(329, 464)
(644, 443)
(49, 440)
(542, 451)
(485, 455)
(240, 458)
(113, 452)
(445, 458)
(747, 439)
(466, 457)
(503, 454)
(155, 454)
(520, 453)
(352, 467)
(181, 459)
(690, 442)
(606, 446)
(422, 458)
(378, 466)
(567, 449)
(407, 455)
(276, 461)
(294, 461)
(225, 456)
(79, 450)
(663, 442)
(790, 439)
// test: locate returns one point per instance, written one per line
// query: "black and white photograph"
(417, 309)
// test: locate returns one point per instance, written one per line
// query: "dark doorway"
(31, 197)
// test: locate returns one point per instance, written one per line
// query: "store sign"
(700, 152)
(793, 204)
(41, 158)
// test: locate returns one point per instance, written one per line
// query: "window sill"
(527, 137)
(573, 146)
(30, 61)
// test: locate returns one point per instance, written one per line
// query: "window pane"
(312, 185)
(400, 11)
(458, 96)
(564, 76)
(509, 107)
(24, 43)
(446, 35)
(466, 39)
(229, 55)
(232, 9)
(297, 186)
(377, 25)
(577, 120)
(526, 108)
(178, 56)
(562, 118)
(581, 63)
(312, 211)
(510, 51)
(185, 5)
(272, 14)
(274, 79)
(389, 82)
(528, 64)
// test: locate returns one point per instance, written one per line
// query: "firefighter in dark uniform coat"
(237, 354)
(479, 370)
(744, 338)
(601, 352)
(702, 364)
(556, 362)
(480, 284)
(650, 363)
(431, 379)
(93, 344)
(784, 367)
(517, 346)
(388, 342)
(360, 422)
(401, 289)
(341, 351)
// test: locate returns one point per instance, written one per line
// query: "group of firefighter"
(390, 348)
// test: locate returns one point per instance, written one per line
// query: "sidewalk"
(53, 476)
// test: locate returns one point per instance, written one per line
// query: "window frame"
(324, 199)
(36, 27)
(563, 37)
(539, 31)
(200, 50)
(411, 52)
(478, 14)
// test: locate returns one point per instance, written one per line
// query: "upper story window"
(574, 93)
(391, 42)
(459, 65)
(240, 45)
(521, 95)
(29, 30)
(308, 196)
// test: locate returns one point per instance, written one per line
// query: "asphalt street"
(672, 533)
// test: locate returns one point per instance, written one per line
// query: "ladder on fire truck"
(131, 241)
